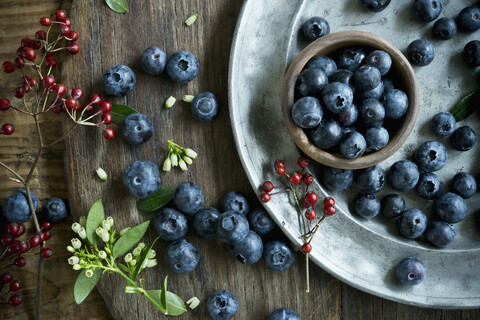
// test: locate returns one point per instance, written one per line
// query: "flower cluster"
(178, 156)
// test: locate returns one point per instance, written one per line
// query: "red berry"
(96, 99)
(15, 285)
(90, 108)
(107, 118)
(310, 214)
(32, 82)
(48, 81)
(265, 197)
(5, 104)
(329, 201)
(105, 106)
(50, 62)
(7, 129)
(20, 51)
(25, 88)
(12, 247)
(279, 163)
(73, 48)
(305, 203)
(18, 92)
(8, 67)
(22, 246)
(47, 252)
(306, 247)
(35, 44)
(34, 241)
(57, 109)
(77, 93)
(20, 262)
(308, 179)
(6, 277)
(311, 198)
(295, 178)
(60, 15)
(64, 30)
(267, 186)
(19, 62)
(108, 133)
(79, 106)
(29, 54)
(15, 300)
(280, 170)
(46, 235)
(41, 236)
(40, 35)
(13, 228)
(72, 35)
(25, 43)
(59, 89)
(329, 211)
(46, 225)
(71, 103)
(6, 239)
(67, 22)
(21, 230)
(303, 162)
(45, 21)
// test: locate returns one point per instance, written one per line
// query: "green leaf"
(119, 6)
(144, 256)
(157, 200)
(129, 239)
(466, 106)
(84, 285)
(123, 267)
(94, 220)
(175, 304)
(119, 112)
(163, 295)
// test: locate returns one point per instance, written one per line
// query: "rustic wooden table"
(258, 290)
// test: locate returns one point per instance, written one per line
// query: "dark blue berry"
(380, 60)
(450, 207)
(327, 134)
(235, 201)
(411, 271)
(205, 106)
(469, 19)
(314, 28)
(440, 233)
(311, 82)
(182, 66)
(204, 223)
(170, 224)
(388, 84)
(370, 180)
(222, 305)
(372, 112)
(395, 103)
(412, 223)
(367, 77)
(471, 53)
(421, 52)
(307, 112)
(249, 250)
(142, 179)
(323, 62)
(284, 314)
(464, 184)
(375, 93)
(188, 198)
(351, 58)
(232, 227)
(137, 128)
(55, 210)
(375, 5)
(429, 186)
(443, 124)
(367, 205)
(393, 205)
(16, 208)
(463, 138)
(182, 256)
(337, 97)
(403, 175)
(260, 221)
(377, 138)
(348, 117)
(444, 28)
(153, 60)
(337, 179)
(344, 76)
(427, 10)
(278, 255)
(118, 80)
(431, 156)
(352, 145)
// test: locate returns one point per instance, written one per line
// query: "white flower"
(102, 234)
(144, 264)
(151, 254)
(89, 273)
(83, 221)
(102, 254)
(102, 174)
(76, 227)
(151, 263)
(77, 267)
(174, 159)
(193, 302)
(128, 258)
(76, 243)
(137, 251)
(124, 231)
(188, 160)
(190, 153)
(73, 260)
(141, 245)
(105, 225)
(110, 221)
(167, 165)
(133, 262)
(182, 165)
(70, 249)
(188, 98)
(82, 233)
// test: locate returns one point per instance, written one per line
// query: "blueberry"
(182, 256)
(403, 175)
(471, 53)
(205, 106)
(464, 185)
(141, 179)
(375, 5)
(323, 62)
(388, 84)
(427, 10)
(429, 186)
(395, 103)
(153, 60)
(345, 76)
(370, 180)
(351, 58)
(348, 117)
(188, 198)
(393, 205)
(367, 77)
(346, 130)
(443, 124)
(314, 28)
(137, 128)
(182, 66)
(204, 223)
(337, 179)
(469, 19)
(375, 93)
(311, 82)
(118, 80)
(450, 207)
(284, 314)
(222, 305)
(431, 156)
(367, 205)
(307, 112)
(372, 112)
(170, 224)
(444, 28)
(412, 223)
(440, 233)
(232, 227)
(278, 255)
(411, 271)
(380, 60)
(16, 208)
(421, 52)
(352, 145)
(260, 221)
(377, 138)
(463, 138)
(55, 210)
(235, 201)
(249, 250)
(327, 134)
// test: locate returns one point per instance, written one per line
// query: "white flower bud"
(83, 221)
(128, 258)
(110, 221)
(144, 264)
(76, 267)
(182, 165)
(124, 231)
(70, 249)
(174, 159)
(102, 254)
(76, 243)
(73, 260)
(193, 302)
(137, 251)
(89, 273)
(167, 165)
(105, 225)
(141, 245)
(102, 234)
(106, 237)
(81, 262)
(76, 227)
(102, 174)
(188, 98)
(151, 254)
(133, 262)
(82, 233)
(190, 153)
(188, 160)
(151, 263)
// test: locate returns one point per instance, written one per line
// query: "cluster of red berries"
(11, 254)
(38, 53)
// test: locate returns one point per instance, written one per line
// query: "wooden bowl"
(401, 72)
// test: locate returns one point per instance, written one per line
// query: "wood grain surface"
(107, 38)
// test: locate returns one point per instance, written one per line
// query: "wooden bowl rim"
(324, 46)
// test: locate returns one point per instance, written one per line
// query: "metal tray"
(360, 252)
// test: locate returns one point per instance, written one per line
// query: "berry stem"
(12, 171)
(308, 273)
